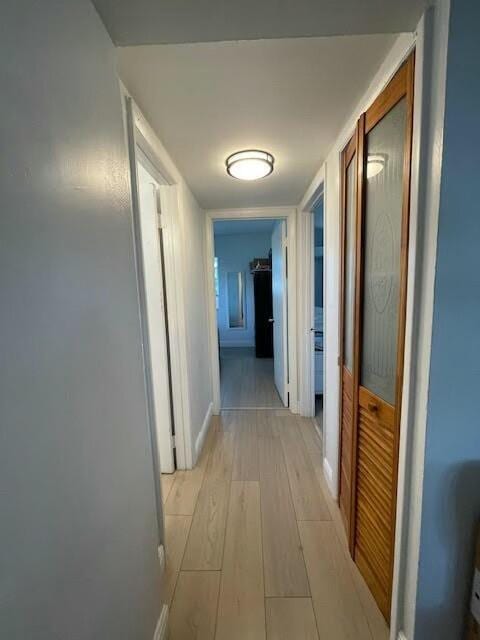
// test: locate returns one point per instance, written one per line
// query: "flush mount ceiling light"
(375, 164)
(250, 165)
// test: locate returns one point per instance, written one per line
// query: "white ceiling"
(289, 97)
(234, 227)
(132, 22)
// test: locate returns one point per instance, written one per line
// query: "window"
(217, 285)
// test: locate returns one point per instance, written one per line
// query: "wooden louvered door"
(347, 319)
(384, 150)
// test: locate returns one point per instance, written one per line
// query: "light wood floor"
(255, 545)
(246, 381)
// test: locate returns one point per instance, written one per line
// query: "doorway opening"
(250, 277)
(318, 359)
(156, 308)
(312, 316)
(155, 212)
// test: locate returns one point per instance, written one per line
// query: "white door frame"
(286, 213)
(143, 139)
(306, 314)
(149, 184)
(282, 385)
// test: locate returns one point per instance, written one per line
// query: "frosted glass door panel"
(349, 263)
(382, 239)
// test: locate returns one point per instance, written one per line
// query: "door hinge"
(173, 441)
(159, 220)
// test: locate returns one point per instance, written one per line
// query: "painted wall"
(451, 499)
(196, 315)
(234, 253)
(78, 534)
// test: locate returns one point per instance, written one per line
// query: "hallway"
(246, 382)
(169, 165)
(255, 544)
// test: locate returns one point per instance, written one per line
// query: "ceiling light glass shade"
(250, 165)
(375, 164)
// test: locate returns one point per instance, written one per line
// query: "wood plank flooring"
(255, 544)
(206, 541)
(289, 618)
(241, 606)
(194, 611)
(246, 381)
(284, 567)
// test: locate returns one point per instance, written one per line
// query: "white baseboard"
(161, 630)
(294, 408)
(327, 470)
(203, 431)
(236, 343)
(320, 435)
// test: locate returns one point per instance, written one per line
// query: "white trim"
(161, 558)
(213, 345)
(170, 198)
(328, 473)
(171, 203)
(317, 429)
(161, 630)
(412, 299)
(149, 250)
(401, 636)
(280, 310)
(203, 431)
(170, 214)
(306, 306)
(137, 248)
(289, 214)
(314, 191)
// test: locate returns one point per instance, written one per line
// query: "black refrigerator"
(262, 291)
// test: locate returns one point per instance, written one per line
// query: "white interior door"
(156, 315)
(279, 294)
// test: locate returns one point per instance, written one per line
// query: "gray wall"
(78, 531)
(451, 499)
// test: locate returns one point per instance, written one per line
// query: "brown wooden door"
(347, 319)
(384, 151)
